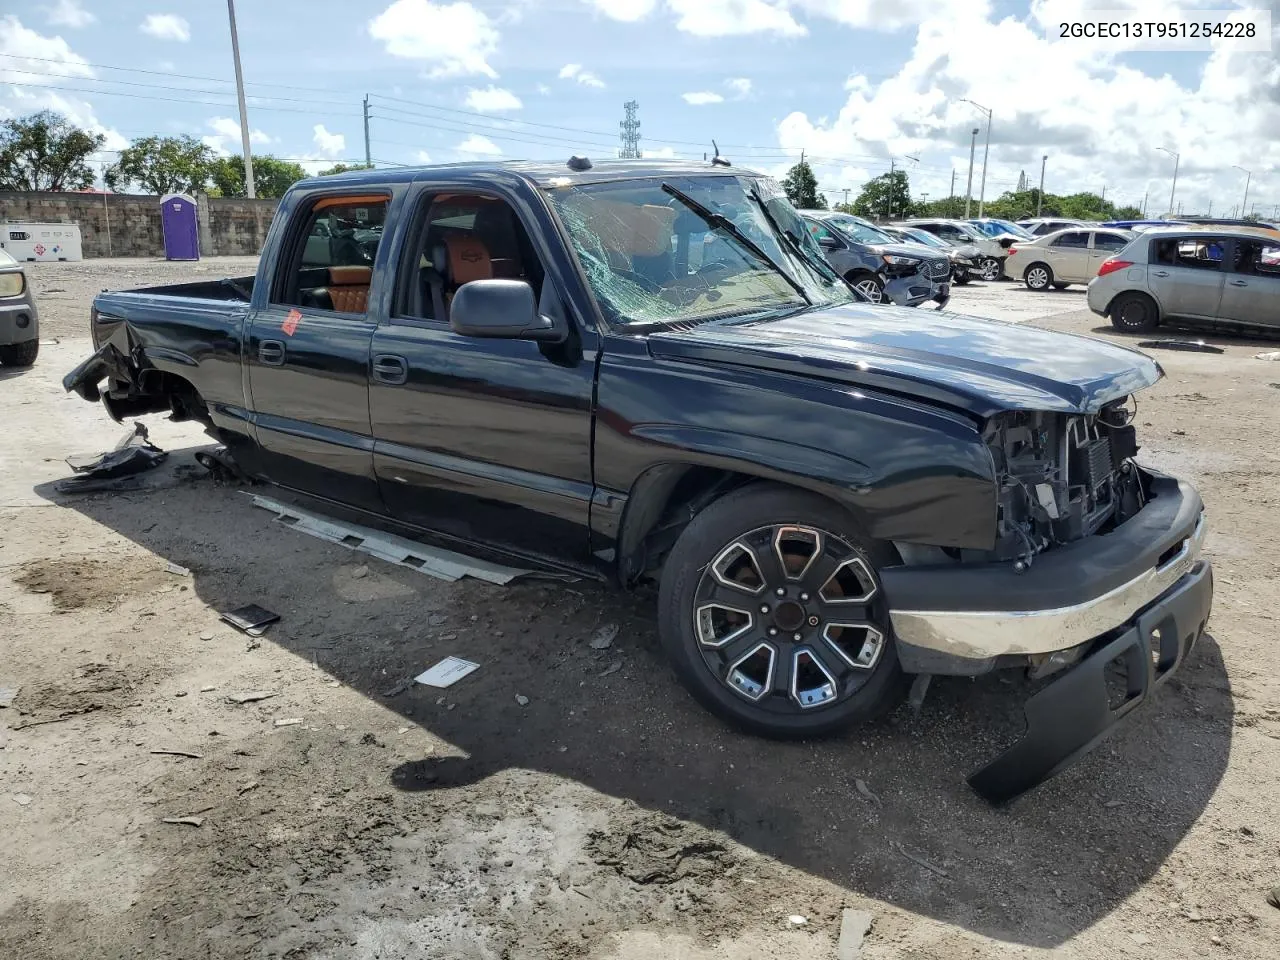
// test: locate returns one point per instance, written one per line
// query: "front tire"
(772, 614)
(1038, 276)
(20, 354)
(1134, 313)
(991, 269)
(869, 285)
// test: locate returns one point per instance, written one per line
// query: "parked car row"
(876, 264)
(1063, 258)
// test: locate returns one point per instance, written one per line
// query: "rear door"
(485, 440)
(308, 350)
(1251, 292)
(1185, 274)
(1104, 244)
(1068, 255)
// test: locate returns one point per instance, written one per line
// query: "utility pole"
(982, 191)
(1145, 194)
(368, 157)
(1210, 207)
(846, 196)
(1176, 158)
(1245, 202)
(244, 114)
(1104, 193)
(1040, 196)
(968, 190)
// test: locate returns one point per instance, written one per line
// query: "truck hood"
(973, 364)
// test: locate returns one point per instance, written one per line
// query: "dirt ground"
(602, 815)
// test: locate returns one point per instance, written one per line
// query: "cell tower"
(630, 135)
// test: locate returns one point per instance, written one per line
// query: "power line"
(143, 96)
(150, 86)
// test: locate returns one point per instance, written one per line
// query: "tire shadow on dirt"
(883, 812)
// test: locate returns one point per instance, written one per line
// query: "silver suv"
(991, 252)
(1229, 277)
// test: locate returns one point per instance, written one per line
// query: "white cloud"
(574, 71)
(492, 100)
(422, 157)
(166, 26)
(544, 89)
(329, 144)
(627, 11)
(662, 153)
(69, 13)
(701, 98)
(725, 18)
(51, 57)
(883, 14)
(476, 145)
(455, 39)
(741, 86)
(225, 139)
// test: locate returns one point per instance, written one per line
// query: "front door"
(1068, 255)
(1251, 293)
(487, 440)
(308, 353)
(1185, 274)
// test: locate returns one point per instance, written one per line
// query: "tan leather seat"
(349, 288)
(468, 260)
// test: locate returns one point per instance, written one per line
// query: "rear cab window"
(1109, 241)
(329, 264)
(1257, 257)
(1197, 253)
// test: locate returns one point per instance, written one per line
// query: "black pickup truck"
(646, 371)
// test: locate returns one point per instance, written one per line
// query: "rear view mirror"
(502, 309)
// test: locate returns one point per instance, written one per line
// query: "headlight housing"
(12, 284)
(895, 260)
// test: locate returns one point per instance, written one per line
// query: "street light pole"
(1040, 196)
(244, 115)
(982, 191)
(1244, 204)
(1176, 158)
(968, 190)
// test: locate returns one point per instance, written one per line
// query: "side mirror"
(501, 309)
(829, 243)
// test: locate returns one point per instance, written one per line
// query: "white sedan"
(1063, 258)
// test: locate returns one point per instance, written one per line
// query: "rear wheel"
(771, 611)
(1134, 313)
(19, 354)
(1038, 276)
(869, 285)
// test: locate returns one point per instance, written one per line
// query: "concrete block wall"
(128, 225)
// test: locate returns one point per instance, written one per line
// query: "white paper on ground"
(447, 672)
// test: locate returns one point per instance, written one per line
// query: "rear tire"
(756, 638)
(1134, 313)
(1038, 276)
(19, 354)
(960, 278)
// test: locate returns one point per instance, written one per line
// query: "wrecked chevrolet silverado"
(646, 371)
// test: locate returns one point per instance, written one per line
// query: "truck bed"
(232, 288)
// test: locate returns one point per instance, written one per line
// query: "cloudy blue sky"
(855, 83)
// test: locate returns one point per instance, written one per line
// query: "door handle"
(1161, 273)
(271, 352)
(390, 369)
(1239, 283)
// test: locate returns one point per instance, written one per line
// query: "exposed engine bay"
(1062, 477)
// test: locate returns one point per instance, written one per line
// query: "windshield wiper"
(720, 221)
(822, 269)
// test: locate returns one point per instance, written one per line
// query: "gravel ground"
(602, 814)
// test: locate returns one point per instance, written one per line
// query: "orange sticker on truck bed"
(291, 321)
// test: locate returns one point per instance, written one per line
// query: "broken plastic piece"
(134, 454)
(252, 619)
(447, 672)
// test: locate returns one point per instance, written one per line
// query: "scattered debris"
(854, 927)
(181, 693)
(1141, 939)
(21, 799)
(861, 786)
(1273, 897)
(253, 696)
(433, 561)
(1193, 346)
(918, 861)
(522, 700)
(447, 672)
(398, 689)
(185, 821)
(603, 639)
(289, 722)
(1112, 804)
(251, 785)
(611, 669)
(176, 569)
(7, 695)
(179, 753)
(222, 466)
(796, 920)
(1269, 355)
(207, 635)
(359, 573)
(251, 619)
(437, 620)
(132, 455)
(206, 689)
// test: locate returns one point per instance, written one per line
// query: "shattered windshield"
(686, 249)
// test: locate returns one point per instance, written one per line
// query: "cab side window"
(461, 238)
(331, 264)
(1198, 253)
(1109, 241)
(1076, 238)
(1257, 257)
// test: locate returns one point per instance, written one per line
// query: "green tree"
(887, 196)
(162, 165)
(271, 176)
(339, 168)
(43, 151)
(802, 188)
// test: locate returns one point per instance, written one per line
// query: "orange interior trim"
(348, 201)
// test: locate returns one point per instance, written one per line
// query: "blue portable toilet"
(181, 229)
